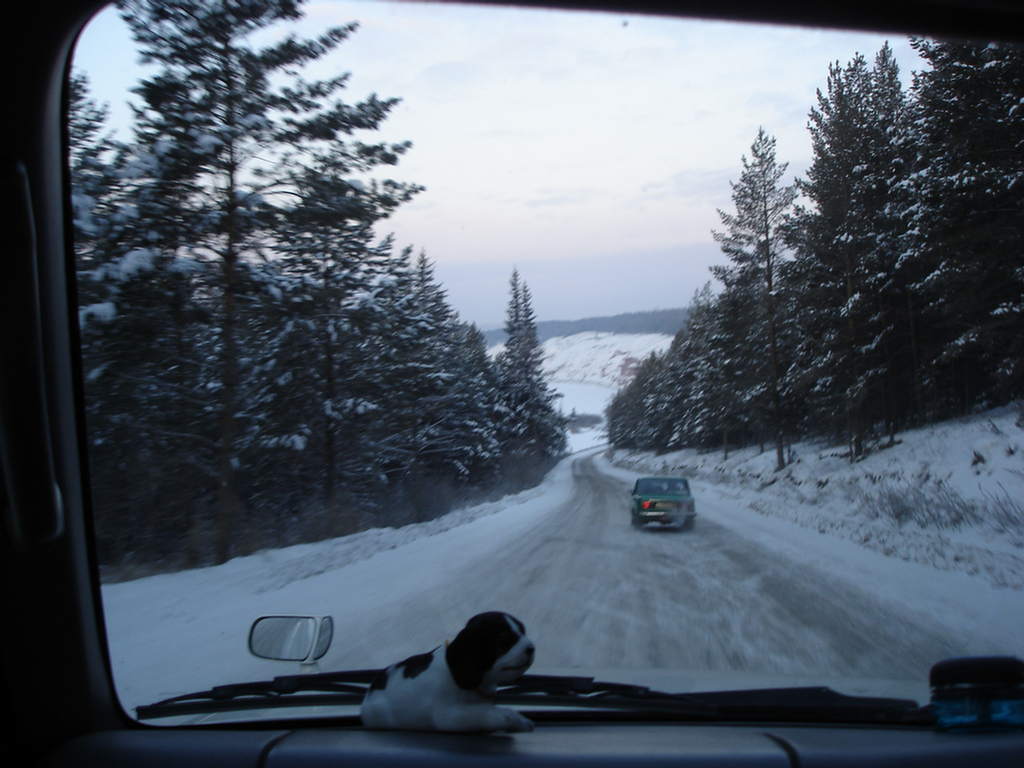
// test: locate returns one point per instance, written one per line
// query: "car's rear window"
(666, 486)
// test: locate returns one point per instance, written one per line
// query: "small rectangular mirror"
(291, 638)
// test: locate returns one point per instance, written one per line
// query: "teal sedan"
(665, 500)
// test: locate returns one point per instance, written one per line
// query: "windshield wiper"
(562, 692)
(549, 696)
(349, 688)
(809, 705)
(322, 689)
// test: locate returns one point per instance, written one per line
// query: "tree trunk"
(780, 457)
(227, 510)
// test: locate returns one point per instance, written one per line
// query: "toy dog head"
(492, 649)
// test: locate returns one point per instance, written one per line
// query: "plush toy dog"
(452, 687)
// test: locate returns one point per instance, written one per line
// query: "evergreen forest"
(261, 367)
(885, 290)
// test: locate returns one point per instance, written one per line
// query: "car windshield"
(385, 308)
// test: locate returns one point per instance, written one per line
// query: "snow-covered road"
(595, 594)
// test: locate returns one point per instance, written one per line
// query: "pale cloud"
(593, 150)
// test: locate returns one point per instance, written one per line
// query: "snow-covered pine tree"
(828, 252)
(890, 320)
(325, 265)
(968, 190)
(753, 242)
(92, 162)
(419, 376)
(143, 348)
(220, 122)
(844, 248)
(533, 431)
(887, 279)
(473, 408)
(454, 415)
(697, 370)
(677, 399)
(631, 423)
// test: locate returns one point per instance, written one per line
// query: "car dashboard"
(550, 746)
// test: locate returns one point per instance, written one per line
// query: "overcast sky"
(590, 151)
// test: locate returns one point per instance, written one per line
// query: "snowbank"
(205, 613)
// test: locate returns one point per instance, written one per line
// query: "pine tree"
(534, 431)
(826, 251)
(968, 221)
(677, 399)
(846, 241)
(92, 157)
(222, 128)
(702, 367)
(139, 345)
(631, 423)
(753, 242)
(887, 278)
(473, 408)
(326, 263)
(455, 415)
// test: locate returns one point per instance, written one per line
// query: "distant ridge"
(666, 321)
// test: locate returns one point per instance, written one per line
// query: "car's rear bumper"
(666, 518)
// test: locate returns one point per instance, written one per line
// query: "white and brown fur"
(451, 688)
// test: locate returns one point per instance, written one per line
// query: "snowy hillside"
(609, 359)
(950, 496)
(587, 369)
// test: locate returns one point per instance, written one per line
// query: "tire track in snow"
(597, 594)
